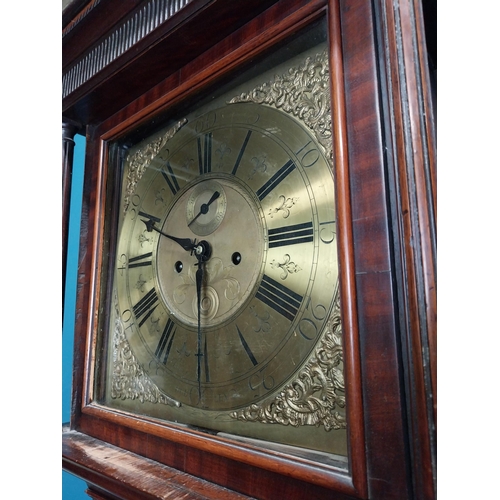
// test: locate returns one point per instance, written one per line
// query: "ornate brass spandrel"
(129, 381)
(304, 92)
(141, 159)
(315, 394)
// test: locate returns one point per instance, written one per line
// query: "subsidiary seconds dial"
(206, 207)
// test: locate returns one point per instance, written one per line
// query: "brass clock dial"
(225, 307)
(262, 202)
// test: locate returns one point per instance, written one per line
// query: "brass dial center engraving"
(226, 285)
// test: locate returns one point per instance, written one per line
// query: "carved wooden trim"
(80, 16)
(123, 38)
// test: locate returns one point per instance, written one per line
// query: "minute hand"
(185, 243)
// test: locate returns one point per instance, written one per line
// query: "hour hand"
(185, 243)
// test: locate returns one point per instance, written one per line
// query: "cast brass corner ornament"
(316, 393)
(129, 381)
(303, 92)
(141, 159)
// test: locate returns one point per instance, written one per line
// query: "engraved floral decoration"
(316, 393)
(222, 151)
(144, 238)
(284, 207)
(129, 381)
(140, 283)
(261, 322)
(215, 272)
(303, 92)
(287, 266)
(140, 160)
(259, 165)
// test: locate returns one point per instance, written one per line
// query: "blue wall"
(72, 487)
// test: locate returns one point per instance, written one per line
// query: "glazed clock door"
(224, 305)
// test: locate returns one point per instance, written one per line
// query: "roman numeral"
(242, 150)
(165, 344)
(145, 306)
(277, 296)
(136, 261)
(170, 178)
(205, 153)
(150, 217)
(246, 347)
(291, 235)
(286, 169)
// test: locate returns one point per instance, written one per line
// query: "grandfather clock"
(256, 306)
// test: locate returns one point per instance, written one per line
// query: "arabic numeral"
(327, 231)
(308, 156)
(318, 311)
(307, 327)
(260, 379)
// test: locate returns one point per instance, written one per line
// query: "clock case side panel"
(389, 104)
(410, 133)
(352, 360)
